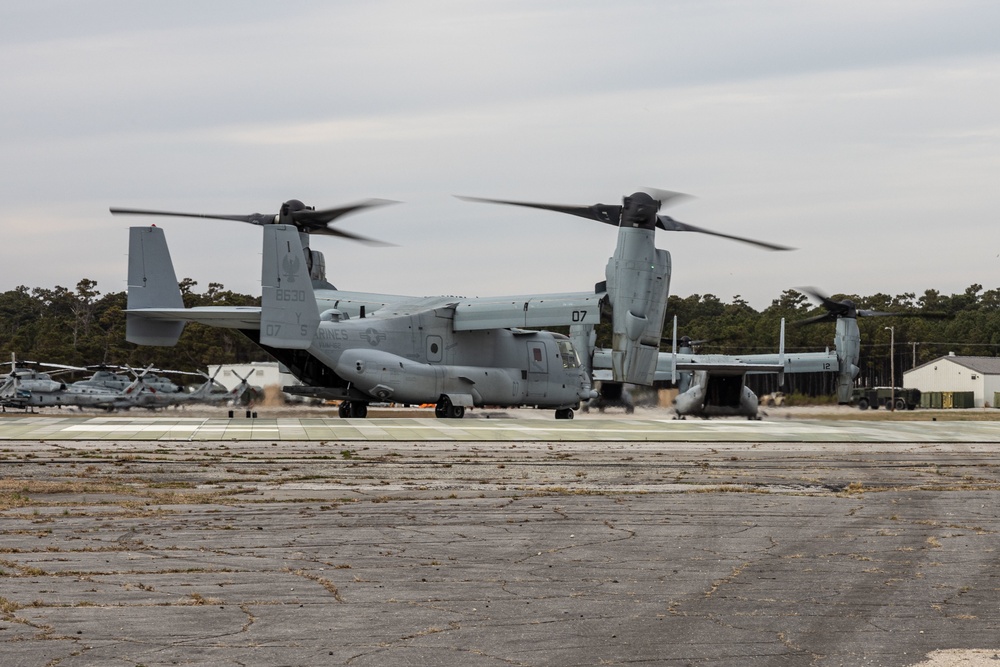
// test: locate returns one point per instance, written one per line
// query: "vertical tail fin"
(152, 283)
(289, 316)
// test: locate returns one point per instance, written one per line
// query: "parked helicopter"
(451, 351)
(243, 393)
(25, 388)
(141, 394)
(106, 377)
(109, 390)
(214, 392)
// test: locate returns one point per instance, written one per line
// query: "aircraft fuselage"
(417, 357)
(714, 395)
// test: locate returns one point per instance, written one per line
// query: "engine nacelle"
(847, 341)
(638, 282)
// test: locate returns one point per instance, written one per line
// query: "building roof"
(984, 365)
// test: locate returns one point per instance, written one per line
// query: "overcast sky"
(865, 134)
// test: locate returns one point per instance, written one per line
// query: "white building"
(980, 375)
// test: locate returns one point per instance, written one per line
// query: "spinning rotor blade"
(824, 300)
(846, 308)
(253, 218)
(666, 197)
(639, 209)
(605, 213)
(825, 317)
(879, 313)
(834, 309)
(293, 212)
(671, 225)
(318, 222)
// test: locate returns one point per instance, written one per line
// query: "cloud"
(862, 133)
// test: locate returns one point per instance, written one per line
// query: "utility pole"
(892, 366)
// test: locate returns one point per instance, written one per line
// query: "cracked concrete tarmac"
(499, 553)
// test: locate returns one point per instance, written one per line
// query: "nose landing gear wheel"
(564, 413)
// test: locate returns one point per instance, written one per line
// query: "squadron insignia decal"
(290, 266)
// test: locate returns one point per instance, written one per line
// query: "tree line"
(82, 326)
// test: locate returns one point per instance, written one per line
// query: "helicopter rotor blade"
(608, 214)
(666, 197)
(834, 309)
(324, 230)
(847, 308)
(669, 224)
(833, 306)
(879, 313)
(330, 214)
(612, 214)
(253, 218)
(304, 218)
(823, 317)
(318, 222)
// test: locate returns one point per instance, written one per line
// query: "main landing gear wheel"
(564, 413)
(445, 409)
(356, 409)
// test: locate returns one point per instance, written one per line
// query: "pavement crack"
(251, 619)
(322, 581)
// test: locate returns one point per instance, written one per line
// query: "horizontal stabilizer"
(223, 317)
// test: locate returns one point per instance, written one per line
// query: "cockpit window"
(568, 354)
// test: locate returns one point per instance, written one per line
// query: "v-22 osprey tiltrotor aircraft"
(714, 385)
(451, 351)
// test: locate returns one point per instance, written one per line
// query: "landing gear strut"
(445, 409)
